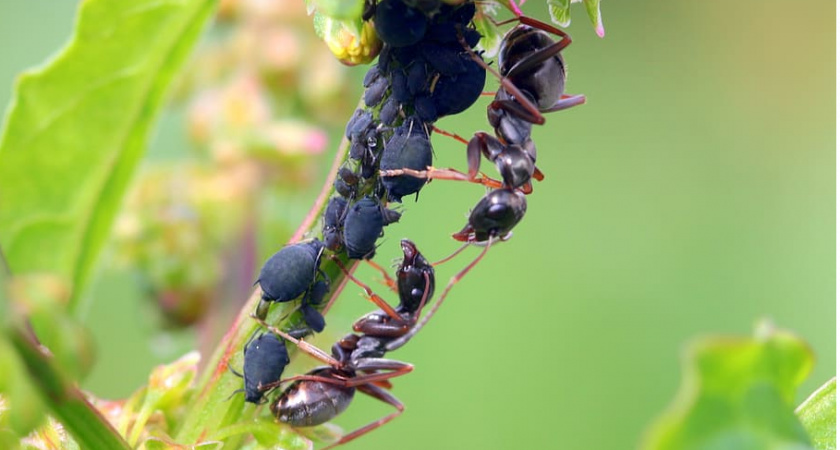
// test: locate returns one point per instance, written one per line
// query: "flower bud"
(352, 42)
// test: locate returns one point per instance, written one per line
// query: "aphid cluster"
(428, 68)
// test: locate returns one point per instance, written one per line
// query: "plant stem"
(69, 405)
(209, 409)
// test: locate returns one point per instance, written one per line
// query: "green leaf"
(560, 12)
(593, 8)
(818, 413)
(77, 128)
(66, 402)
(491, 35)
(737, 394)
(21, 408)
(350, 10)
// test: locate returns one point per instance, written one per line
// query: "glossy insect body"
(415, 279)
(312, 403)
(541, 76)
(415, 284)
(398, 24)
(325, 392)
(533, 78)
(494, 216)
(356, 361)
(363, 225)
(288, 273)
(265, 358)
(515, 162)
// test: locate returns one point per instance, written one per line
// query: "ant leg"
(313, 351)
(388, 281)
(433, 173)
(385, 384)
(424, 299)
(534, 113)
(374, 366)
(397, 343)
(566, 102)
(377, 300)
(538, 175)
(449, 134)
(527, 188)
(371, 367)
(531, 22)
(461, 249)
(379, 394)
(538, 57)
(387, 329)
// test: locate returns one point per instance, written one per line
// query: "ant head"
(415, 278)
(412, 256)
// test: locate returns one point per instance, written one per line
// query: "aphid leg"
(377, 300)
(397, 343)
(379, 394)
(234, 371)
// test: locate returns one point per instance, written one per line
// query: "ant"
(533, 77)
(356, 361)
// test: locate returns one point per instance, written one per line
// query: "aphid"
(532, 81)
(363, 225)
(375, 92)
(410, 148)
(265, 358)
(356, 361)
(390, 111)
(334, 223)
(358, 123)
(289, 273)
(312, 317)
(398, 24)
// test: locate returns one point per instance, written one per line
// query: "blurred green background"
(693, 194)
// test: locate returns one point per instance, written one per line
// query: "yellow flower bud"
(351, 42)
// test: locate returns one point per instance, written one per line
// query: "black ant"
(533, 77)
(356, 361)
